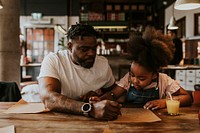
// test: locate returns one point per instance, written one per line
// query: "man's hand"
(106, 110)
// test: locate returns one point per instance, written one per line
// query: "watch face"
(86, 107)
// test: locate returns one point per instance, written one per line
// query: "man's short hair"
(81, 30)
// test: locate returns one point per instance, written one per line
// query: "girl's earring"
(129, 80)
(132, 84)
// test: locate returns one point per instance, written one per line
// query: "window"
(40, 41)
(181, 27)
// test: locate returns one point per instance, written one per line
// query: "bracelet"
(99, 92)
(113, 96)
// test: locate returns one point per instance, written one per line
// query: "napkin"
(24, 107)
(8, 129)
(137, 115)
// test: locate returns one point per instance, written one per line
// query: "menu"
(137, 115)
(26, 107)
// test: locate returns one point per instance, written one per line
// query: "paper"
(137, 115)
(8, 129)
(25, 107)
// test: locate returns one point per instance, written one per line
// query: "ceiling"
(61, 7)
(72, 7)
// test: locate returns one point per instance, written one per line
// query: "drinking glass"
(173, 105)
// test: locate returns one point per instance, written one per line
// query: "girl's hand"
(155, 104)
(86, 97)
(94, 99)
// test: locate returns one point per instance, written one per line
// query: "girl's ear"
(70, 46)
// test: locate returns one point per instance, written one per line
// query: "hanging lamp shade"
(1, 5)
(172, 24)
(60, 29)
(186, 4)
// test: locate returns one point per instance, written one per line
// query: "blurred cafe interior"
(30, 29)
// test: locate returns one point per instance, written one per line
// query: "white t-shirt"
(165, 84)
(76, 80)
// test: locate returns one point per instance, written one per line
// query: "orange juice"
(173, 106)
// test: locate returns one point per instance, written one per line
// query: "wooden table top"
(53, 122)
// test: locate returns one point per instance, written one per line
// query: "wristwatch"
(86, 108)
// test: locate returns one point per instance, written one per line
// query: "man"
(178, 54)
(69, 74)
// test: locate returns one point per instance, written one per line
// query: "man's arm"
(50, 89)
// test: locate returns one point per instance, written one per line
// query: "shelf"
(114, 19)
(106, 23)
(115, 42)
(115, 32)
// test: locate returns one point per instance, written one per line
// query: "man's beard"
(88, 63)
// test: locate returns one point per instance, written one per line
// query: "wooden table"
(52, 122)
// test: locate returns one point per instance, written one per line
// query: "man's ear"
(69, 44)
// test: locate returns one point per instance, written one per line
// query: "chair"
(9, 92)
(196, 94)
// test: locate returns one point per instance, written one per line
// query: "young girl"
(144, 84)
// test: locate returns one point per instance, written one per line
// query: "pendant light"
(172, 22)
(187, 4)
(1, 5)
(60, 29)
